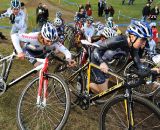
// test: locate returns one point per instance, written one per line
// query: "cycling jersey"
(88, 31)
(60, 31)
(32, 39)
(20, 24)
(113, 46)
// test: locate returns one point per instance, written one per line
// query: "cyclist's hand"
(72, 63)
(104, 67)
(12, 18)
(156, 69)
(21, 56)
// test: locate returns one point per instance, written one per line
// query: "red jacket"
(89, 12)
(155, 34)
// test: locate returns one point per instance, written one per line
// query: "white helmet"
(15, 4)
(49, 32)
(100, 26)
(110, 18)
(153, 24)
(108, 32)
(57, 22)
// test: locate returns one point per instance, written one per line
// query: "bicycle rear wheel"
(146, 116)
(31, 116)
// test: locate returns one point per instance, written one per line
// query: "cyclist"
(88, 28)
(137, 34)
(17, 17)
(110, 23)
(35, 43)
(60, 28)
(59, 15)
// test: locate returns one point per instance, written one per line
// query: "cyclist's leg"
(99, 81)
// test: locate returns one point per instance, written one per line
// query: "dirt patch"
(67, 15)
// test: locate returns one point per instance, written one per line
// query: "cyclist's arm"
(63, 50)
(16, 43)
(26, 38)
(136, 58)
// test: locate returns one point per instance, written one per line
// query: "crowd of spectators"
(149, 12)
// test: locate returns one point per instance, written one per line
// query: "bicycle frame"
(98, 96)
(10, 59)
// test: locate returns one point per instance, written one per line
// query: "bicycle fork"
(43, 86)
(128, 102)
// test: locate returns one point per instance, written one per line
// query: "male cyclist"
(137, 34)
(17, 17)
(35, 43)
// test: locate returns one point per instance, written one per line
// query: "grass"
(79, 119)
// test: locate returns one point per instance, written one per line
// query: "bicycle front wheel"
(146, 116)
(144, 90)
(53, 115)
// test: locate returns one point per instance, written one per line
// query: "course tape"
(5, 27)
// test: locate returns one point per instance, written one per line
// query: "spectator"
(81, 14)
(150, 1)
(101, 6)
(42, 14)
(154, 13)
(88, 5)
(154, 32)
(106, 11)
(111, 11)
(130, 2)
(146, 12)
(80, 7)
(123, 2)
(45, 13)
(39, 12)
(89, 12)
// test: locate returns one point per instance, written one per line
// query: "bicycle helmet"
(57, 22)
(58, 14)
(139, 29)
(49, 32)
(108, 32)
(110, 18)
(15, 4)
(90, 19)
(100, 26)
(153, 24)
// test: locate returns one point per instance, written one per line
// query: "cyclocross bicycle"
(131, 111)
(38, 107)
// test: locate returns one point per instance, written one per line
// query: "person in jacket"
(146, 12)
(137, 35)
(154, 13)
(17, 17)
